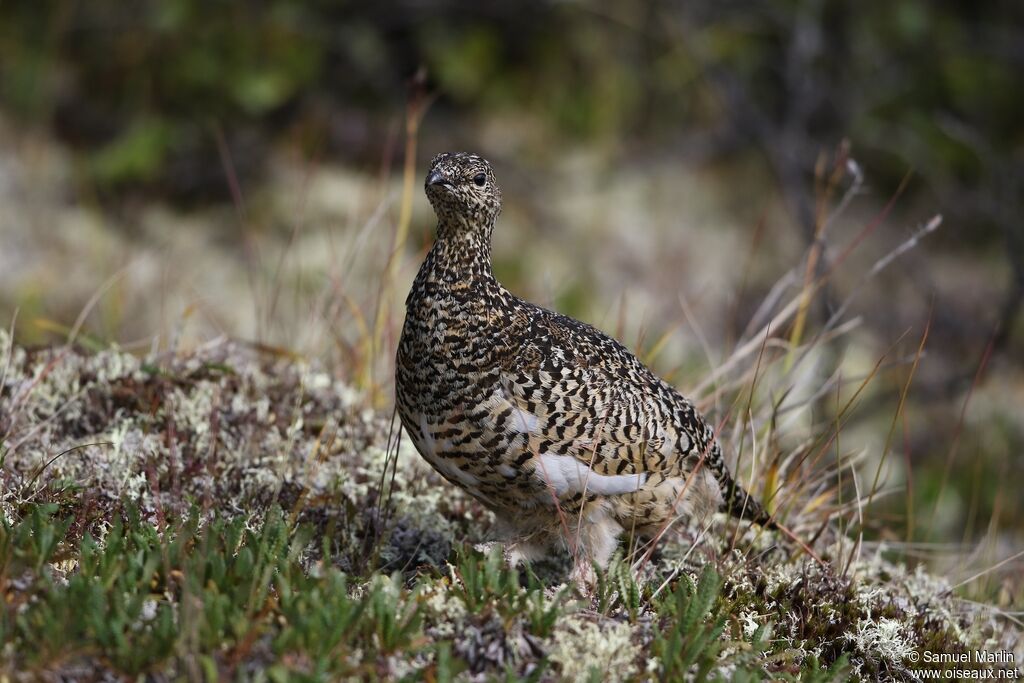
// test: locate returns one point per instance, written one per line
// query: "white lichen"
(581, 646)
(884, 638)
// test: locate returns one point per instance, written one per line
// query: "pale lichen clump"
(888, 639)
(446, 613)
(581, 646)
(223, 427)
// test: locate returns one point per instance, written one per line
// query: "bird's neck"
(459, 255)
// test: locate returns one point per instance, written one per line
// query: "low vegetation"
(233, 513)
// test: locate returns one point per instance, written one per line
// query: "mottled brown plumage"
(521, 406)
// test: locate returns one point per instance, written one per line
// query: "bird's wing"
(585, 406)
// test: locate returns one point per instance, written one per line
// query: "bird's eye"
(480, 179)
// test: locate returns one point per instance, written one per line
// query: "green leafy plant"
(691, 645)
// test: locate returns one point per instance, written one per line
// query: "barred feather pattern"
(531, 411)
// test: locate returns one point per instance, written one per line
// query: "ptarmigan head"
(463, 192)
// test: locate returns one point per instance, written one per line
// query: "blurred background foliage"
(187, 105)
(932, 87)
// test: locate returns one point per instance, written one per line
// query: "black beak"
(436, 178)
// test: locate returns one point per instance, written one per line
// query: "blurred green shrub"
(145, 88)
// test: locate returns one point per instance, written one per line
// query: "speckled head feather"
(462, 189)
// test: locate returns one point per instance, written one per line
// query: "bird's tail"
(737, 501)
